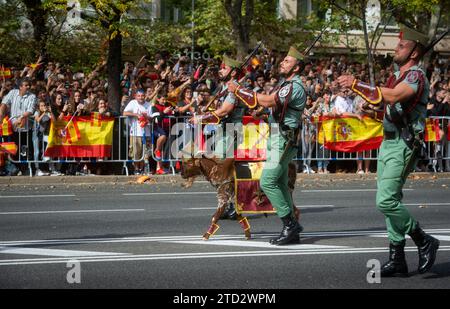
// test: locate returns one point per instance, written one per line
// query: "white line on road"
(192, 237)
(55, 252)
(167, 193)
(427, 204)
(37, 196)
(254, 244)
(200, 255)
(299, 206)
(68, 211)
(346, 190)
(213, 192)
(440, 237)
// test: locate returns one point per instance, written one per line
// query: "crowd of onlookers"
(162, 85)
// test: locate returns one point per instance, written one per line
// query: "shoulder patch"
(284, 91)
(412, 77)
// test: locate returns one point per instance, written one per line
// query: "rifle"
(243, 65)
(316, 39)
(431, 45)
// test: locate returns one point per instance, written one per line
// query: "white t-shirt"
(343, 105)
(134, 107)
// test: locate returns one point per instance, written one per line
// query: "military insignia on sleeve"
(412, 77)
(284, 91)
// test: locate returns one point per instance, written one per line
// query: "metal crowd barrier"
(437, 153)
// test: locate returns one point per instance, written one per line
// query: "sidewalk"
(74, 180)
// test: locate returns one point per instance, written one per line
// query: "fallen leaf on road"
(143, 179)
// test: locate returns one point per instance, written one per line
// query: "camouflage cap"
(293, 52)
(410, 34)
(231, 62)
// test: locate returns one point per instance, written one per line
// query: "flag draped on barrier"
(448, 131)
(9, 147)
(432, 133)
(81, 137)
(349, 134)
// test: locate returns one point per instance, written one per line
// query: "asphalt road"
(124, 235)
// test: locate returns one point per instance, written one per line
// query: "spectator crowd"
(165, 85)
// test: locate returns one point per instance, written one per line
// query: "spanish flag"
(71, 132)
(448, 131)
(9, 147)
(95, 119)
(254, 142)
(432, 133)
(349, 134)
(5, 72)
(81, 138)
(6, 127)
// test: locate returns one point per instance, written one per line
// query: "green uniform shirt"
(296, 104)
(239, 108)
(418, 114)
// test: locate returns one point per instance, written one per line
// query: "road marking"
(255, 244)
(202, 255)
(55, 252)
(37, 196)
(440, 237)
(167, 193)
(299, 206)
(427, 204)
(68, 211)
(193, 238)
(346, 190)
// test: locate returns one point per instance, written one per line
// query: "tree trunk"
(38, 17)
(366, 41)
(241, 24)
(434, 22)
(113, 66)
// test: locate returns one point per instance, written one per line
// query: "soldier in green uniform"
(287, 102)
(229, 111)
(405, 97)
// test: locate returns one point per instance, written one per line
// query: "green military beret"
(410, 34)
(231, 62)
(293, 52)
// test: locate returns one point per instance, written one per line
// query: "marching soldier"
(287, 102)
(405, 99)
(229, 110)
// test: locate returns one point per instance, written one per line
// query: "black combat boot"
(427, 245)
(396, 266)
(289, 233)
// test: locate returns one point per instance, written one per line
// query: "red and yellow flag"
(432, 133)
(95, 119)
(6, 127)
(448, 131)
(80, 138)
(254, 143)
(349, 134)
(5, 72)
(9, 147)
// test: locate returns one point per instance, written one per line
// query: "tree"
(109, 16)
(241, 23)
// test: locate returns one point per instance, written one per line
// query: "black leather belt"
(390, 135)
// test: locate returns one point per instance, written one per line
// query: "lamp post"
(193, 38)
